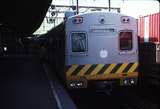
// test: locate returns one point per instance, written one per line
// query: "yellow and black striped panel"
(100, 69)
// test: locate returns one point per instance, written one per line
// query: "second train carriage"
(95, 48)
(149, 48)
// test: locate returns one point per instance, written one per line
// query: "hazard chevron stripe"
(100, 69)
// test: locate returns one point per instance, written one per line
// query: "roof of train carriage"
(23, 16)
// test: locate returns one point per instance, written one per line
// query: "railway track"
(119, 99)
(138, 101)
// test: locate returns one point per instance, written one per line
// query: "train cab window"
(79, 42)
(125, 40)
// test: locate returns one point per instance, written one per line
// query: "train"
(149, 48)
(94, 49)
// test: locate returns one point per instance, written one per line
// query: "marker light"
(72, 84)
(5, 48)
(132, 81)
(125, 19)
(125, 82)
(79, 84)
(77, 20)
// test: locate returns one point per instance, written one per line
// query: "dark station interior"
(29, 65)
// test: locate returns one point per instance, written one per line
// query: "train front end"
(101, 50)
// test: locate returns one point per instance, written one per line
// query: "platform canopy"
(23, 16)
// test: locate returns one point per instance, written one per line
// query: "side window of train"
(125, 40)
(79, 42)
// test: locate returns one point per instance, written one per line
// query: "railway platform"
(25, 85)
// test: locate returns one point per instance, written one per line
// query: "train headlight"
(76, 84)
(72, 84)
(5, 48)
(125, 82)
(129, 81)
(79, 84)
(132, 81)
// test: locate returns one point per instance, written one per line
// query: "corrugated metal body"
(141, 28)
(154, 28)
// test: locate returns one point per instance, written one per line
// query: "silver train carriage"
(96, 48)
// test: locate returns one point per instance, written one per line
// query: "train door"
(102, 44)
